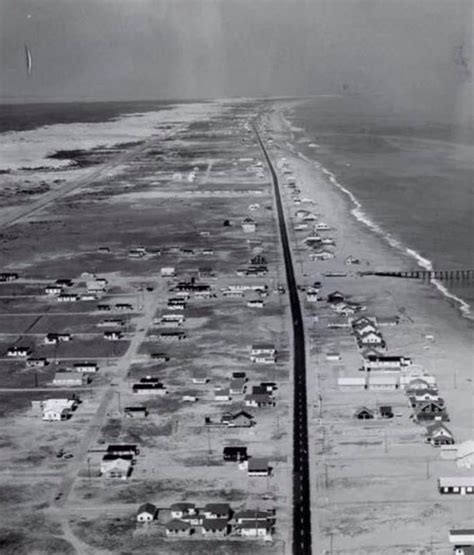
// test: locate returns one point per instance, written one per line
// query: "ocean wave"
(423, 262)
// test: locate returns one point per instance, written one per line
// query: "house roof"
(217, 508)
(182, 506)
(215, 524)
(147, 508)
(250, 514)
(258, 464)
(457, 481)
(363, 409)
(259, 398)
(177, 525)
(242, 414)
(263, 346)
(437, 426)
(235, 449)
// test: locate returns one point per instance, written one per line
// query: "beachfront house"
(438, 434)
(429, 411)
(183, 510)
(217, 511)
(146, 512)
(215, 527)
(419, 384)
(459, 485)
(370, 338)
(383, 362)
(178, 528)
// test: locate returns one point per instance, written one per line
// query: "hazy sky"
(411, 54)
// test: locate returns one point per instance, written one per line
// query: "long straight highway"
(301, 485)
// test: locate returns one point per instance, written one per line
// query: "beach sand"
(375, 485)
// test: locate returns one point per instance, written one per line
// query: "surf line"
(422, 262)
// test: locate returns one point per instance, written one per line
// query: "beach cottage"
(146, 512)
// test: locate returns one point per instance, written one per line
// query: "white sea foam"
(423, 262)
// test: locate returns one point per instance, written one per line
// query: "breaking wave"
(423, 262)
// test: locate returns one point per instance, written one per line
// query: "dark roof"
(258, 464)
(242, 414)
(183, 506)
(215, 524)
(177, 524)
(249, 514)
(231, 449)
(147, 508)
(217, 508)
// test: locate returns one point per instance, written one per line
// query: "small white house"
(69, 379)
(167, 272)
(146, 512)
(249, 225)
(222, 395)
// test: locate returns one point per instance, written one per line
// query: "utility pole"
(89, 467)
(385, 443)
(428, 474)
(326, 478)
(209, 440)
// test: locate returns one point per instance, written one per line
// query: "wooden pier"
(444, 275)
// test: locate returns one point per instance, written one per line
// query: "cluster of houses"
(255, 396)
(214, 520)
(343, 307)
(60, 289)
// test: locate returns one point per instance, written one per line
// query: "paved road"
(301, 484)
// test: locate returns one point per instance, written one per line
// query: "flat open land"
(168, 197)
(176, 198)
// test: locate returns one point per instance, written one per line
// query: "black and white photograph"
(236, 277)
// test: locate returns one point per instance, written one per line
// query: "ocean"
(411, 181)
(24, 117)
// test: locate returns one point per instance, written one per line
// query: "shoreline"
(430, 332)
(360, 214)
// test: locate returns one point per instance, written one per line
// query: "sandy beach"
(375, 486)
